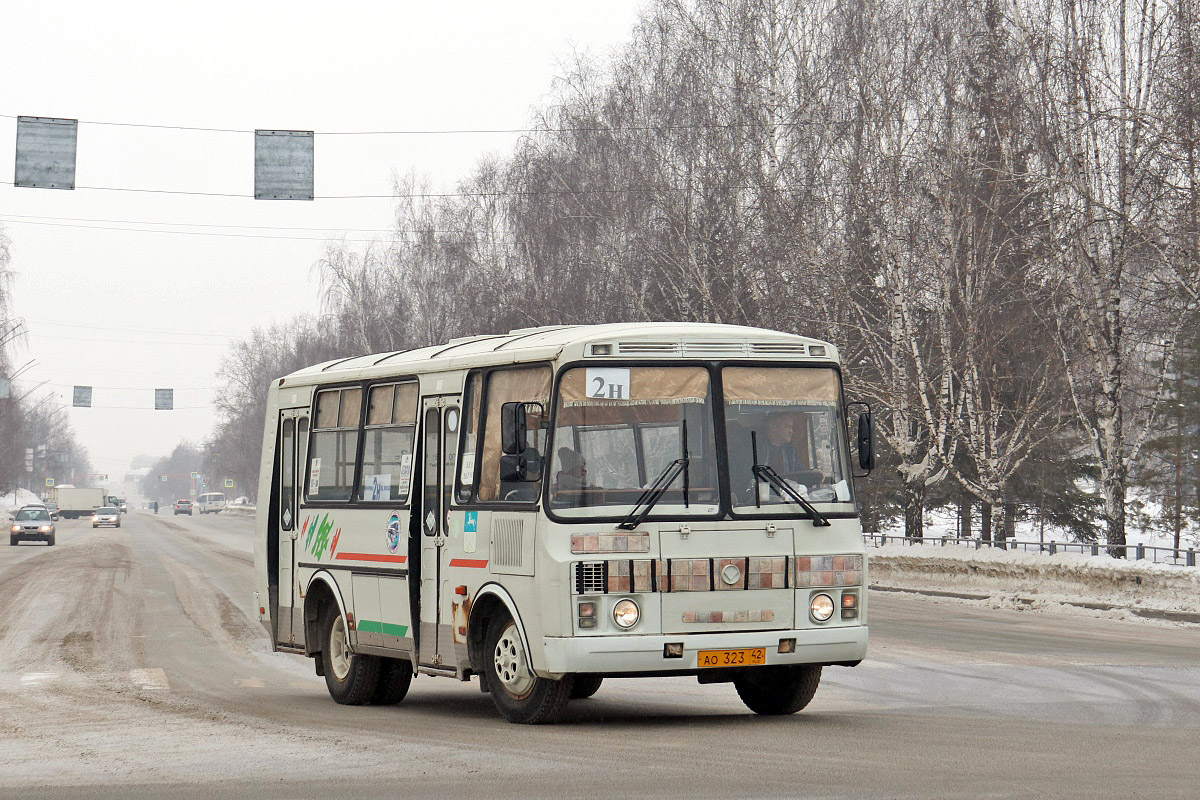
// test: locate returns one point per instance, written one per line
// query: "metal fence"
(1134, 552)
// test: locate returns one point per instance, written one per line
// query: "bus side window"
(523, 385)
(334, 448)
(470, 438)
(388, 449)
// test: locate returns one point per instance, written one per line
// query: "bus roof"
(627, 340)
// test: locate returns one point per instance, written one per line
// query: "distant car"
(32, 523)
(53, 509)
(124, 507)
(106, 515)
(183, 507)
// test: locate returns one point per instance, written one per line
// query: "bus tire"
(585, 686)
(519, 695)
(395, 676)
(350, 677)
(778, 690)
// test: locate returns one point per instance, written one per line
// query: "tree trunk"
(965, 507)
(914, 509)
(985, 521)
(1114, 512)
(1010, 521)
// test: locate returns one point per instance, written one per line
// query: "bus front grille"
(591, 577)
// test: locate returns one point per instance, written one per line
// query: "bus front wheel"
(519, 695)
(778, 690)
(352, 678)
(585, 686)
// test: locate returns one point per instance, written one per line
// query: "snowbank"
(15, 499)
(1034, 579)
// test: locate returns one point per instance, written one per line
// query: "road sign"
(164, 478)
(49, 481)
(283, 165)
(164, 399)
(229, 483)
(46, 152)
(195, 475)
(192, 492)
(82, 397)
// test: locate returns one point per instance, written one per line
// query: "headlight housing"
(16, 528)
(45, 529)
(821, 607)
(626, 613)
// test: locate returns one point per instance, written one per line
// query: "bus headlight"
(626, 613)
(821, 607)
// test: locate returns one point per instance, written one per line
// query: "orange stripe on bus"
(371, 557)
(478, 563)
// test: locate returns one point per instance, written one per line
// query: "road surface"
(131, 665)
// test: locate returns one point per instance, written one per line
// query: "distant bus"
(553, 507)
(210, 503)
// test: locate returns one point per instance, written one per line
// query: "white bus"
(210, 502)
(550, 507)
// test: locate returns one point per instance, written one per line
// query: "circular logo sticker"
(393, 533)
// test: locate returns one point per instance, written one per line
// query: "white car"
(106, 515)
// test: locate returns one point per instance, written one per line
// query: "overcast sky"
(127, 311)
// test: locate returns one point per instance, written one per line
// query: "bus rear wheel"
(778, 690)
(395, 676)
(351, 678)
(519, 695)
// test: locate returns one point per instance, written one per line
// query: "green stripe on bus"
(370, 626)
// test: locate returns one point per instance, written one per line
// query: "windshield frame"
(825, 507)
(620, 513)
(717, 396)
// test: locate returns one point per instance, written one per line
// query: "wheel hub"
(339, 649)
(510, 663)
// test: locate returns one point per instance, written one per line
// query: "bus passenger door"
(293, 438)
(439, 432)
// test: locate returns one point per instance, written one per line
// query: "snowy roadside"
(13, 500)
(1095, 584)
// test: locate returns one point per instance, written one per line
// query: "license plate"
(746, 657)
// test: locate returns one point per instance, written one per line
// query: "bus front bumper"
(632, 654)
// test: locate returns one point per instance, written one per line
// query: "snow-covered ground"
(944, 522)
(1038, 581)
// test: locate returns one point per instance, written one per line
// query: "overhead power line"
(465, 131)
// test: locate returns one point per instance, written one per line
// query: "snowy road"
(131, 666)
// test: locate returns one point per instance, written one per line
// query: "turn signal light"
(787, 645)
(673, 650)
(849, 605)
(587, 614)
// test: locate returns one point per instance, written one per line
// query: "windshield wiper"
(652, 495)
(767, 473)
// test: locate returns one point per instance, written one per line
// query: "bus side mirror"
(521, 467)
(513, 429)
(866, 441)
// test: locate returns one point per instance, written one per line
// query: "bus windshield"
(788, 419)
(618, 429)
